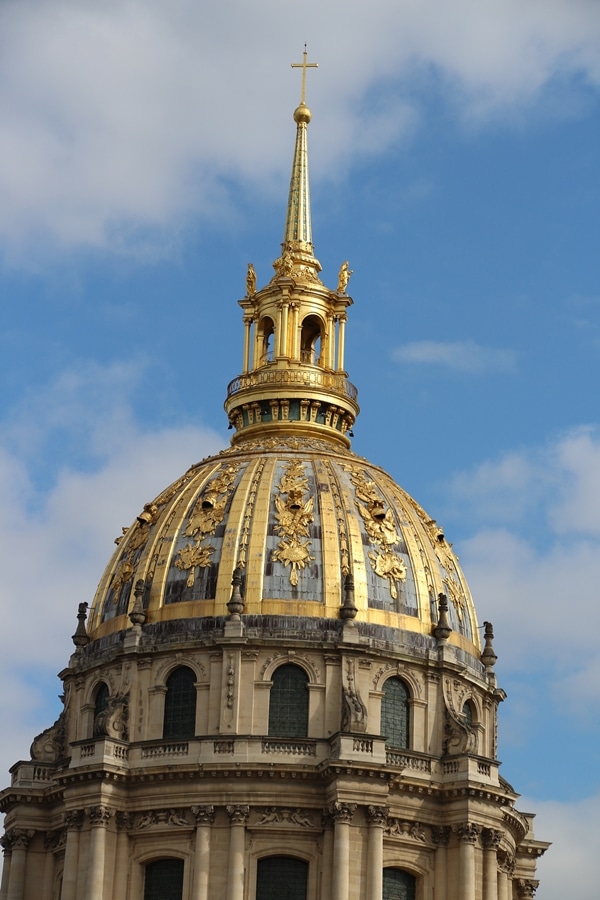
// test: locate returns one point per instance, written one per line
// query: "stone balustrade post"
(205, 816)
(238, 816)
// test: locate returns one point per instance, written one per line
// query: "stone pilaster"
(238, 816)
(440, 836)
(342, 814)
(19, 841)
(73, 823)
(467, 834)
(377, 819)
(490, 839)
(99, 817)
(204, 816)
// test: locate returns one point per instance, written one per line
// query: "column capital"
(342, 812)
(506, 863)
(377, 816)
(124, 820)
(238, 815)
(73, 819)
(491, 838)
(526, 888)
(99, 816)
(468, 832)
(19, 838)
(440, 835)
(205, 815)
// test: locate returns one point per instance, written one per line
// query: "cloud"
(56, 539)
(120, 121)
(533, 561)
(462, 356)
(570, 866)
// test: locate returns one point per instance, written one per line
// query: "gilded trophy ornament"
(293, 514)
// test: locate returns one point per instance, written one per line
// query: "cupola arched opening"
(101, 695)
(468, 712)
(179, 719)
(395, 713)
(311, 341)
(163, 879)
(265, 340)
(281, 876)
(288, 704)
(398, 885)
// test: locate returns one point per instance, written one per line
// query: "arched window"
(281, 878)
(180, 704)
(163, 880)
(468, 713)
(100, 704)
(398, 885)
(288, 706)
(267, 339)
(310, 340)
(395, 714)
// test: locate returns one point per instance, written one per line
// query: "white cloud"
(462, 356)
(570, 867)
(537, 582)
(56, 541)
(120, 119)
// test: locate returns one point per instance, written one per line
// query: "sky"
(145, 153)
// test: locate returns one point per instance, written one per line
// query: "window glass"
(468, 713)
(395, 714)
(288, 704)
(398, 885)
(163, 880)
(281, 878)
(180, 704)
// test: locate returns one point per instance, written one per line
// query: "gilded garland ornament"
(294, 515)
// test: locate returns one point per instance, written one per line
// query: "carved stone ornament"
(399, 828)
(468, 832)
(74, 819)
(99, 815)
(377, 815)
(204, 815)
(440, 835)
(381, 529)
(19, 838)
(49, 746)
(112, 721)
(354, 711)
(294, 514)
(208, 513)
(460, 737)
(445, 555)
(162, 817)
(273, 815)
(491, 838)
(506, 863)
(526, 888)
(238, 815)
(124, 820)
(342, 812)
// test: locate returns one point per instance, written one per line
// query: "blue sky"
(145, 152)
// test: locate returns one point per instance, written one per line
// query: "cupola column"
(342, 817)
(247, 335)
(377, 819)
(283, 334)
(467, 835)
(440, 836)
(490, 838)
(238, 816)
(205, 816)
(20, 839)
(99, 819)
(341, 341)
(73, 820)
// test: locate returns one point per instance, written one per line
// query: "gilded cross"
(304, 65)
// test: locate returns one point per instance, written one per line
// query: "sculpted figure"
(343, 277)
(251, 280)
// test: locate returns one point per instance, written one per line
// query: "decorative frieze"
(163, 817)
(274, 815)
(399, 828)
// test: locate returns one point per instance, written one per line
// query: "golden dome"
(317, 537)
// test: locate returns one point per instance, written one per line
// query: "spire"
(298, 224)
